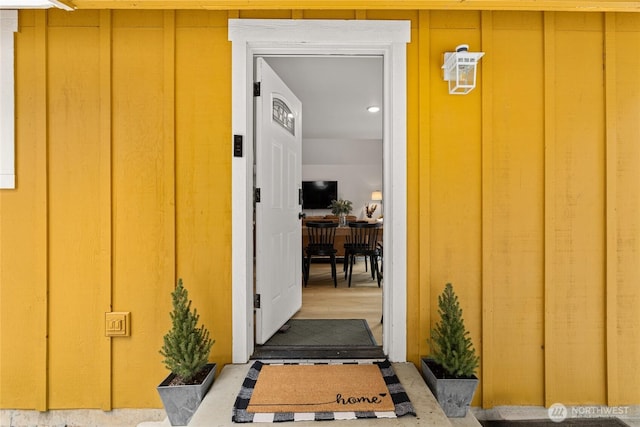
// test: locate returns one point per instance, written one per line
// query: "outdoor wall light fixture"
(460, 69)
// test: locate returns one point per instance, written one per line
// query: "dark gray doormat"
(324, 332)
(569, 422)
(321, 339)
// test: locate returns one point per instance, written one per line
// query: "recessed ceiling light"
(373, 109)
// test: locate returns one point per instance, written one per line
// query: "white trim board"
(388, 39)
(8, 26)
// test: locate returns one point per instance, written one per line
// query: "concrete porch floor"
(215, 409)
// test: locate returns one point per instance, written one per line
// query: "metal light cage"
(460, 69)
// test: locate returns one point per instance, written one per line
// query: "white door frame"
(388, 39)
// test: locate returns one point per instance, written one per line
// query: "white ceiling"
(335, 92)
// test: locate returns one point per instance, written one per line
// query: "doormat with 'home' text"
(297, 392)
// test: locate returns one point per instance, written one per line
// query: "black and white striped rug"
(400, 399)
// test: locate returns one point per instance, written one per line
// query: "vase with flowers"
(370, 209)
(341, 208)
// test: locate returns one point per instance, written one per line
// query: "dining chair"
(362, 241)
(321, 238)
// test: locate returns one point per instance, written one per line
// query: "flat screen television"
(318, 194)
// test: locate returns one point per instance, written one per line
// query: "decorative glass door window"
(283, 116)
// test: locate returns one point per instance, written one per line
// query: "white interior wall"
(355, 164)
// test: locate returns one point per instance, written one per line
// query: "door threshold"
(318, 352)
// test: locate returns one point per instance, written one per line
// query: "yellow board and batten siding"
(575, 212)
(623, 298)
(513, 208)
(524, 194)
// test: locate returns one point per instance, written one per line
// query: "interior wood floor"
(363, 300)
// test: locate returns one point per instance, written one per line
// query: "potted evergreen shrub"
(450, 369)
(186, 351)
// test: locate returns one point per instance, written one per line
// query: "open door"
(278, 133)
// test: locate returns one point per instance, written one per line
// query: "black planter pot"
(453, 394)
(181, 401)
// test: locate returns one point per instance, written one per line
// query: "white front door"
(278, 179)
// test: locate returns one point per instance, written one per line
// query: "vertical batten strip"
(105, 194)
(42, 202)
(169, 120)
(549, 195)
(611, 266)
(487, 211)
(424, 181)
